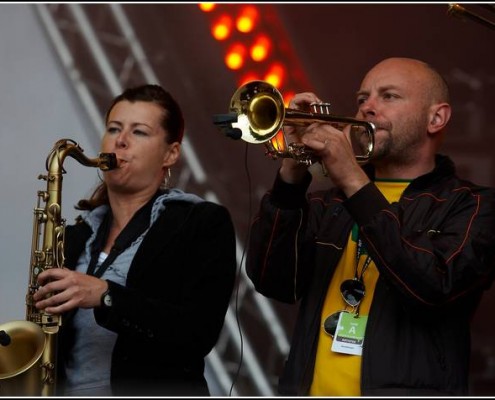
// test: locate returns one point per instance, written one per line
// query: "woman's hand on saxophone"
(62, 290)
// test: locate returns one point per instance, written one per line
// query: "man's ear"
(172, 155)
(439, 117)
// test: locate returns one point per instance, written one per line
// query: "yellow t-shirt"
(337, 374)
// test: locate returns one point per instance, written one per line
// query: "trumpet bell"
(260, 111)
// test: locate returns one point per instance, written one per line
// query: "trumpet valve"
(320, 108)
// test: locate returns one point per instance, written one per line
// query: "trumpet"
(257, 115)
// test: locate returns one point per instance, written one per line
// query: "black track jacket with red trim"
(434, 250)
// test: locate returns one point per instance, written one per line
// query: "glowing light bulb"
(222, 27)
(247, 19)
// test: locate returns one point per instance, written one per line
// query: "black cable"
(246, 167)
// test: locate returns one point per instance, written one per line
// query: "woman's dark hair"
(172, 122)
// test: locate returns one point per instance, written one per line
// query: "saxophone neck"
(68, 147)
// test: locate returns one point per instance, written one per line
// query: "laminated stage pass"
(349, 335)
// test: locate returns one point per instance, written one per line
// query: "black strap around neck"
(136, 226)
(361, 250)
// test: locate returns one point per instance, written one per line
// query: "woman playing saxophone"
(149, 269)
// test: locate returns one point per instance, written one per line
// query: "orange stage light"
(278, 141)
(261, 48)
(222, 27)
(288, 97)
(254, 45)
(247, 19)
(234, 59)
(207, 7)
(276, 75)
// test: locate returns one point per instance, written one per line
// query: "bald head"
(427, 79)
(408, 100)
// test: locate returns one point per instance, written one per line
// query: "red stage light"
(276, 75)
(261, 48)
(207, 7)
(288, 97)
(278, 141)
(222, 27)
(247, 19)
(254, 45)
(234, 59)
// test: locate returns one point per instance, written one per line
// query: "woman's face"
(134, 133)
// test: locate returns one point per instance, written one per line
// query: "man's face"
(393, 95)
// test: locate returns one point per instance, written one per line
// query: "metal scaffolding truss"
(102, 54)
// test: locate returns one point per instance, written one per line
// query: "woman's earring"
(98, 172)
(166, 182)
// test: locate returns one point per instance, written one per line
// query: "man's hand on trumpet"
(334, 149)
(291, 170)
(330, 144)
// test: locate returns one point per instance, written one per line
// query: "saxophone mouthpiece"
(108, 161)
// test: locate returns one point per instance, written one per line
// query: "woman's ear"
(171, 155)
(439, 117)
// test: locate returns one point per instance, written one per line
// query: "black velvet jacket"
(169, 315)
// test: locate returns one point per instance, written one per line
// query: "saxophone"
(28, 348)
